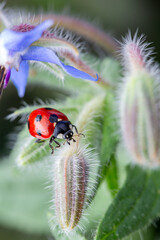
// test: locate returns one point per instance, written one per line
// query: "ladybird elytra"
(44, 123)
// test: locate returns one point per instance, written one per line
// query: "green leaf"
(24, 200)
(109, 131)
(146, 234)
(87, 122)
(112, 176)
(26, 150)
(103, 137)
(136, 205)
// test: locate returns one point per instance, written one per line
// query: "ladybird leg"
(75, 128)
(73, 140)
(52, 139)
(50, 144)
(68, 143)
(40, 141)
(58, 144)
(79, 134)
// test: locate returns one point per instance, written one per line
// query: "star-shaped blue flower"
(16, 51)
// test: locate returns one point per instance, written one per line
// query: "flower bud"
(139, 108)
(73, 169)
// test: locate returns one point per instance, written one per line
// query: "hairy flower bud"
(140, 116)
(73, 169)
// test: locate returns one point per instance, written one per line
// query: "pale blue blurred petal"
(19, 78)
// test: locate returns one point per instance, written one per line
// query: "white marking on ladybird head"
(60, 136)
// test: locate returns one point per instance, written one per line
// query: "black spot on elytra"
(53, 118)
(28, 125)
(39, 132)
(48, 108)
(38, 118)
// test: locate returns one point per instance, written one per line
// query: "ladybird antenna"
(75, 128)
(73, 140)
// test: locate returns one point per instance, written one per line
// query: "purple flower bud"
(73, 169)
(139, 101)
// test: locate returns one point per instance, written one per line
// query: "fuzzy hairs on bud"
(74, 174)
(139, 102)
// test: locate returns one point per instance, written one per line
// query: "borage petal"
(41, 54)
(47, 55)
(19, 78)
(74, 72)
(19, 41)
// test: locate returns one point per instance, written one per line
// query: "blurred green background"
(115, 17)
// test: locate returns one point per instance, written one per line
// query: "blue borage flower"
(16, 51)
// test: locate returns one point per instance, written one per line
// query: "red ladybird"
(50, 123)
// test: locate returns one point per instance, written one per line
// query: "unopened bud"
(140, 116)
(73, 170)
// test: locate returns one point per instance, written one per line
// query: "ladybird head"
(68, 135)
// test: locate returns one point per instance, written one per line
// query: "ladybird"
(44, 123)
